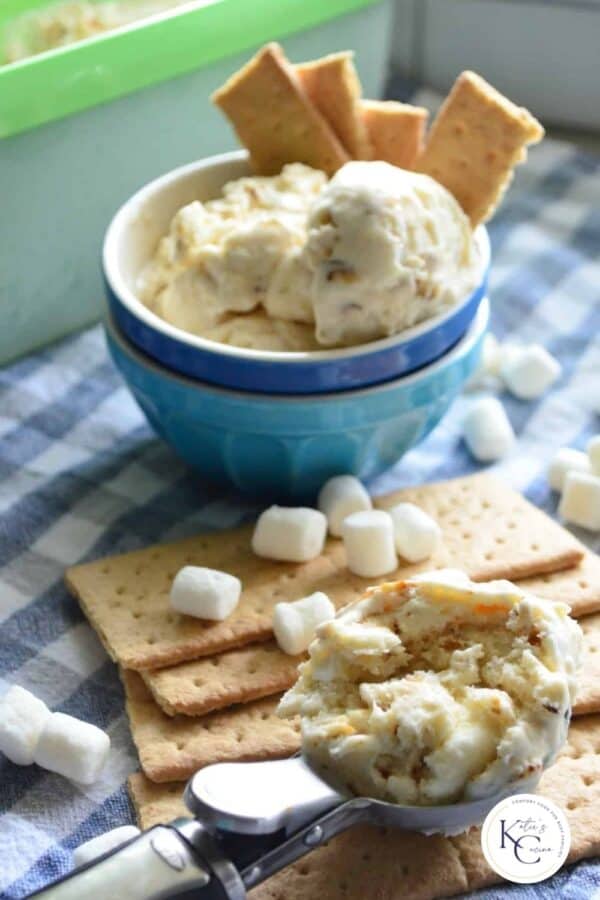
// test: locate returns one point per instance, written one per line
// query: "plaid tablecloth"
(81, 475)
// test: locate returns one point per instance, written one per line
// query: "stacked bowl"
(272, 423)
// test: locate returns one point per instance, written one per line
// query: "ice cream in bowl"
(345, 247)
(294, 283)
(313, 303)
(422, 705)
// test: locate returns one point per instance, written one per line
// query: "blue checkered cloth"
(81, 476)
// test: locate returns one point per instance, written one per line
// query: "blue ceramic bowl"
(288, 446)
(132, 238)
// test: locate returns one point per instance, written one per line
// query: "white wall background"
(543, 54)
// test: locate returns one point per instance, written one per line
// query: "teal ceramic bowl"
(287, 446)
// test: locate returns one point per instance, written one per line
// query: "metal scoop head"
(288, 799)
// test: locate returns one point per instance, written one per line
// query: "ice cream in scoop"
(436, 689)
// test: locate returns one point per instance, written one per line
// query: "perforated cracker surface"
(173, 748)
(489, 529)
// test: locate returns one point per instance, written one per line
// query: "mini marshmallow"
(487, 373)
(369, 542)
(593, 452)
(294, 624)
(292, 534)
(339, 497)
(22, 719)
(530, 372)
(415, 533)
(580, 502)
(494, 357)
(70, 747)
(104, 843)
(509, 351)
(205, 593)
(487, 430)
(491, 355)
(566, 460)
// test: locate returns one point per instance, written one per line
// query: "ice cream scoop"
(438, 690)
(388, 248)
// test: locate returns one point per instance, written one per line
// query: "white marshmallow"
(22, 718)
(293, 534)
(415, 533)
(486, 374)
(294, 623)
(369, 542)
(580, 502)
(593, 452)
(509, 351)
(339, 497)
(487, 430)
(491, 355)
(103, 843)
(566, 460)
(70, 747)
(205, 593)
(530, 372)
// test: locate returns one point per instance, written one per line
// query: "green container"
(84, 126)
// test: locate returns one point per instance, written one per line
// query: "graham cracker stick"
(200, 686)
(274, 118)
(493, 532)
(372, 862)
(396, 130)
(476, 140)
(173, 748)
(333, 86)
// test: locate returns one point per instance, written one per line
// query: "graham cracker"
(260, 670)
(579, 587)
(383, 863)
(492, 530)
(156, 804)
(587, 699)
(173, 748)
(476, 139)
(274, 118)
(396, 130)
(201, 686)
(333, 86)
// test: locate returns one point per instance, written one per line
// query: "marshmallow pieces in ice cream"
(437, 690)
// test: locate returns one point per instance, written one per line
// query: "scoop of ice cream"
(387, 248)
(236, 252)
(437, 689)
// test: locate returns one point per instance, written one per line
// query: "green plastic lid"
(73, 78)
